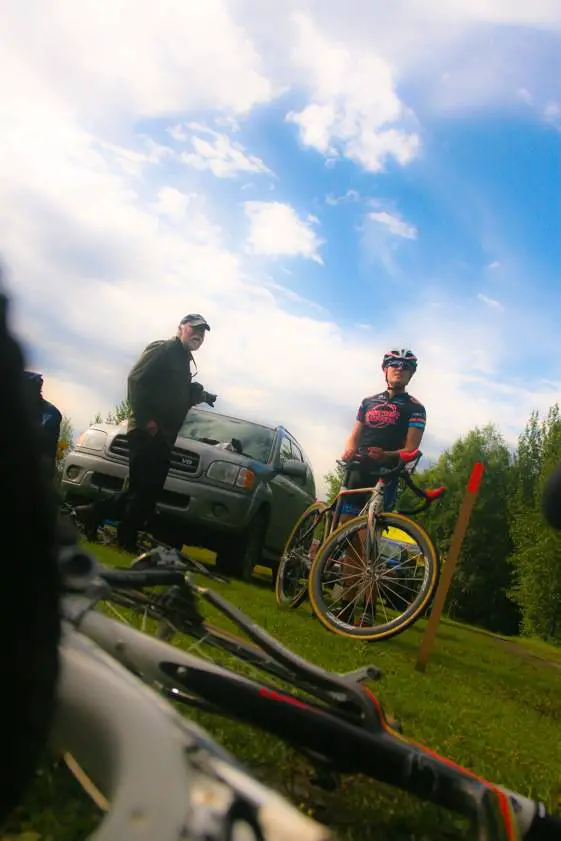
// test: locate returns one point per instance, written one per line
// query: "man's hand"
(348, 454)
(375, 452)
(208, 398)
(152, 427)
(199, 395)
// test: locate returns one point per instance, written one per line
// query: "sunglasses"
(398, 364)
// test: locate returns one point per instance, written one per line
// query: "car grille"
(183, 461)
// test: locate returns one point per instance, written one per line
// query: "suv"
(234, 486)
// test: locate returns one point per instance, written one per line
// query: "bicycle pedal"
(362, 674)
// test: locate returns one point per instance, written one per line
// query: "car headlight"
(230, 474)
(92, 439)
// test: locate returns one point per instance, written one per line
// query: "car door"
(286, 503)
(290, 497)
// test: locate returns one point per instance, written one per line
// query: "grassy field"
(491, 704)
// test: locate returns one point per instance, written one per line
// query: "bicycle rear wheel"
(291, 585)
(350, 595)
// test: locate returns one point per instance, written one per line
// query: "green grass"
(482, 702)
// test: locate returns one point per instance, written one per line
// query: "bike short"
(353, 505)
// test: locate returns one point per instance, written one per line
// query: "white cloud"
(490, 302)
(394, 224)
(512, 12)
(552, 114)
(525, 96)
(137, 58)
(276, 230)
(354, 109)
(349, 196)
(109, 241)
(219, 154)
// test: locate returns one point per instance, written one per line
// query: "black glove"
(208, 398)
(199, 395)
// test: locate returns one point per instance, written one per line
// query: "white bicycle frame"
(158, 775)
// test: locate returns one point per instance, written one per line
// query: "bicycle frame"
(262, 651)
(376, 750)
(374, 506)
(154, 773)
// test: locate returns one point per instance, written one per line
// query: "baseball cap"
(33, 376)
(196, 320)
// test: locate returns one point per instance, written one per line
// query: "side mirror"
(294, 469)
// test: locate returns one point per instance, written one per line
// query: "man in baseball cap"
(195, 320)
(160, 393)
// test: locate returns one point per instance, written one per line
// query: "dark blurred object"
(46, 416)
(29, 619)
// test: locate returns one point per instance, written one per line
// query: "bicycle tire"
(317, 509)
(29, 619)
(403, 621)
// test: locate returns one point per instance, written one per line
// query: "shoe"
(346, 614)
(89, 518)
(366, 619)
(127, 539)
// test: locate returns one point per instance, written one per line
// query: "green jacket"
(160, 388)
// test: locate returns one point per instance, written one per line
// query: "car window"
(285, 450)
(297, 454)
(212, 428)
(296, 451)
(310, 481)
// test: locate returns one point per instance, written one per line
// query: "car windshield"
(210, 428)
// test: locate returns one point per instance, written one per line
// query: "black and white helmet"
(400, 357)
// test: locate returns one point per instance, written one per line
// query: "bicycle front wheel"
(378, 597)
(291, 585)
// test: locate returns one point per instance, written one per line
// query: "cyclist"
(386, 423)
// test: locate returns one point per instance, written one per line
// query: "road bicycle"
(335, 721)
(385, 560)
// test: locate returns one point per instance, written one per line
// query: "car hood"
(207, 452)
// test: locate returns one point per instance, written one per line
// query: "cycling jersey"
(386, 420)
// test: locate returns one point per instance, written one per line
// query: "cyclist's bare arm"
(414, 438)
(352, 443)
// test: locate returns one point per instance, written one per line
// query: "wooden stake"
(466, 508)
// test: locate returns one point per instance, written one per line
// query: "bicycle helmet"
(400, 356)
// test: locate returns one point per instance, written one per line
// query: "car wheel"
(240, 556)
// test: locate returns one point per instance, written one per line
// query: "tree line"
(508, 578)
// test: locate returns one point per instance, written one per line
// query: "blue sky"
(321, 185)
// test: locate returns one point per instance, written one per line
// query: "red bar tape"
(476, 477)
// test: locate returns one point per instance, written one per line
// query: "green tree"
(479, 593)
(334, 480)
(120, 412)
(65, 440)
(536, 547)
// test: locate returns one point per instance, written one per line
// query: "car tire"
(239, 557)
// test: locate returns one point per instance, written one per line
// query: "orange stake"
(468, 502)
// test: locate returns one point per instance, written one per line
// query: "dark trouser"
(149, 461)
